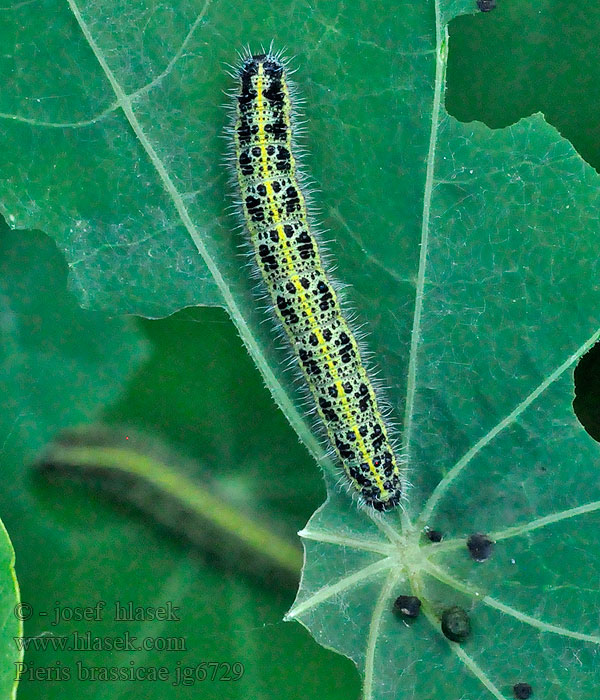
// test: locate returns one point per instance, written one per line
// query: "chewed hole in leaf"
(587, 392)
(491, 80)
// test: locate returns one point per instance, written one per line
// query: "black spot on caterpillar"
(486, 5)
(135, 469)
(304, 298)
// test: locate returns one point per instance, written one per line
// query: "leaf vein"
(344, 583)
(380, 606)
(343, 541)
(456, 470)
(449, 580)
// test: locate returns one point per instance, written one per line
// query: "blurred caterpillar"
(303, 296)
(136, 468)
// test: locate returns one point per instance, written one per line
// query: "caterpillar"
(304, 298)
(136, 469)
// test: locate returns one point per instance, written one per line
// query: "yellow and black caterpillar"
(303, 296)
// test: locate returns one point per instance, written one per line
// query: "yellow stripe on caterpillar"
(303, 296)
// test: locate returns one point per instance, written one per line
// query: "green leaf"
(12, 626)
(504, 291)
(472, 255)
